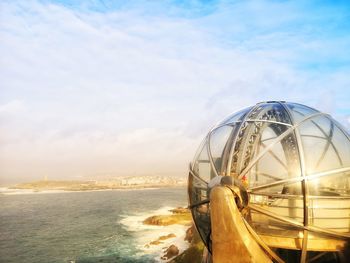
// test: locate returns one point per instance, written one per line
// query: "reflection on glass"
(330, 202)
(198, 195)
(202, 166)
(219, 143)
(325, 146)
(300, 112)
(238, 116)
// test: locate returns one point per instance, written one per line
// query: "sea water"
(95, 226)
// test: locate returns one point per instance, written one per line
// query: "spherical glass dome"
(294, 162)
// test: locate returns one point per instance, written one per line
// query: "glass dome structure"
(294, 163)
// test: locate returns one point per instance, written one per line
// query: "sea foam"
(147, 233)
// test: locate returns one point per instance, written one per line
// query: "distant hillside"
(119, 183)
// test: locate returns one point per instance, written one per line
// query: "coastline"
(168, 234)
(122, 183)
(20, 191)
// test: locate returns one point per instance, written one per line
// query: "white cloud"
(11, 107)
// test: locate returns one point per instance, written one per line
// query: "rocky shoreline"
(172, 253)
(179, 216)
(193, 254)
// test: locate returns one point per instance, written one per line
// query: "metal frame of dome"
(240, 156)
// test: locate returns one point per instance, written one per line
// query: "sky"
(116, 88)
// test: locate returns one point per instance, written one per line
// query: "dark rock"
(167, 236)
(159, 240)
(189, 234)
(191, 255)
(172, 251)
(156, 242)
(165, 220)
(194, 253)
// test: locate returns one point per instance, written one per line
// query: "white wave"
(145, 234)
(29, 191)
(8, 191)
(134, 222)
(4, 189)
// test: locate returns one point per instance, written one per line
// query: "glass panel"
(325, 146)
(329, 203)
(197, 189)
(271, 230)
(290, 207)
(237, 116)
(279, 160)
(299, 112)
(316, 127)
(202, 166)
(219, 145)
(271, 112)
(198, 192)
(278, 163)
(341, 144)
(199, 150)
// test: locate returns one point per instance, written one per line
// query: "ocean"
(95, 226)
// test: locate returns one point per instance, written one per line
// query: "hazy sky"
(130, 87)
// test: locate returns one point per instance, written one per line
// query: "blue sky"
(130, 87)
